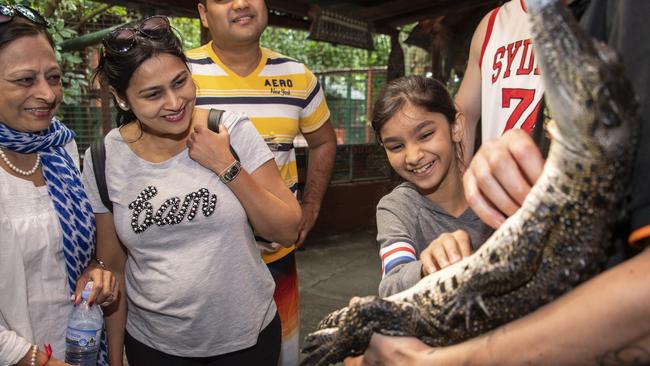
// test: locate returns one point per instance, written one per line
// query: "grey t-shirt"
(407, 222)
(196, 285)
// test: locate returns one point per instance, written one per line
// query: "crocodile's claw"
(322, 348)
(462, 305)
(355, 325)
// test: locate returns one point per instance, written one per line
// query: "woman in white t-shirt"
(47, 229)
(184, 212)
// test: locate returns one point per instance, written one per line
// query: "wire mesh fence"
(350, 95)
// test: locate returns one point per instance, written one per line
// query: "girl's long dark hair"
(426, 93)
(115, 69)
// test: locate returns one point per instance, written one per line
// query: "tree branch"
(91, 15)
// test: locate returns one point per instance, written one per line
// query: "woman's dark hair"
(115, 69)
(19, 27)
(426, 93)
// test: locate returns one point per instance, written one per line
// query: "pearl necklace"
(18, 170)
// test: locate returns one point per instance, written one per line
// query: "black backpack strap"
(214, 120)
(98, 156)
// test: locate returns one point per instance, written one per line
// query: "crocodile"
(554, 242)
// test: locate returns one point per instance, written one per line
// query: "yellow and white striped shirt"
(281, 97)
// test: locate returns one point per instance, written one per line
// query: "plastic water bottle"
(84, 332)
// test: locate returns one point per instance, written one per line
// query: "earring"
(123, 106)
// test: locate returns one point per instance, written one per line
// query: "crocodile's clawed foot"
(440, 327)
(355, 325)
(322, 349)
(342, 333)
(462, 305)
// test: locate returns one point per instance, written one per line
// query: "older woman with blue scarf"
(47, 228)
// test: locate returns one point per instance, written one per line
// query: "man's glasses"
(122, 39)
(8, 12)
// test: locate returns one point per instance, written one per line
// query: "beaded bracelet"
(100, 262)
(32, 360)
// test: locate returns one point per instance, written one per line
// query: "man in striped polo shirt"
(282, 98)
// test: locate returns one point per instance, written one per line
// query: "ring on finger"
(108, 301)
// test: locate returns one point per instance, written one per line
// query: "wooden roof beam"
(394, 8)
(432, 12)
(303, 24)
(301, 9)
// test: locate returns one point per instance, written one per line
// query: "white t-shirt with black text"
(195, 281)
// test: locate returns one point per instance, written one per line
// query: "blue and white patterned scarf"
(66, 191)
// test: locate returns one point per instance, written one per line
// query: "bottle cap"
(86, 292)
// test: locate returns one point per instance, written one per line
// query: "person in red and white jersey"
(502, 84)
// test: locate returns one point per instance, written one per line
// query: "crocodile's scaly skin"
(558, 237)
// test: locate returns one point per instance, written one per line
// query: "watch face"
(231, 173)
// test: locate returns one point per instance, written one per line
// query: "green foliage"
(189, 31)
(74, 79)
(295, 43)
(322, 55)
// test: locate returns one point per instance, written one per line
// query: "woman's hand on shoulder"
(208, 148)
(200, 117)
(105, 286)
(445, 250)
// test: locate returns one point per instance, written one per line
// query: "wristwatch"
(231, 172)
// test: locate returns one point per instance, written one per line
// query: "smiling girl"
(424, 224)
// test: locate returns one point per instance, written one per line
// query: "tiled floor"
(333, 268)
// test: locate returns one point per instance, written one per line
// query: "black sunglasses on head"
(122, 39)
(8, 12)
